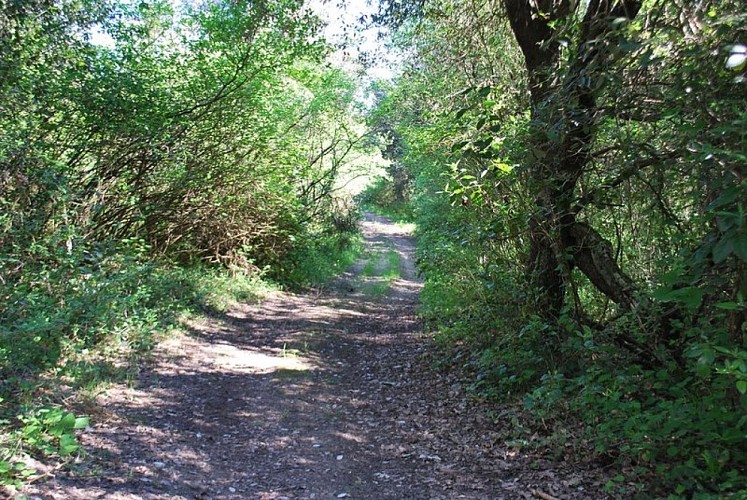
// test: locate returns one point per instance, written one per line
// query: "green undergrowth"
(673, 426)
(676, 428)
(75, 322)
(69, 330)
(320, 259)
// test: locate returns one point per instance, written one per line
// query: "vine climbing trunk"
(564, 116)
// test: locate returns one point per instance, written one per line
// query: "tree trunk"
(593, 255)
(564, 115)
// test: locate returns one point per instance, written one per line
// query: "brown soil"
(322, 395)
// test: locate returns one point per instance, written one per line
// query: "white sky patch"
(345, 30)
(98, 36)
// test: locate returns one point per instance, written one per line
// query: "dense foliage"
(143, 145)
(579, 180)
(577, 170)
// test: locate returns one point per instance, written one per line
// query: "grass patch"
(323, 257)
(218, 290)
(369, 269)
(376, 288)
(394, 262)
(288, 374)
(380, 271)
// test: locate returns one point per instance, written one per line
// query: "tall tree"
(565, 115)
(613, 166)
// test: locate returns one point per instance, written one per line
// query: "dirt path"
(326, 395)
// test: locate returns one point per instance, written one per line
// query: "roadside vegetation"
(156, 161)
(577, 172)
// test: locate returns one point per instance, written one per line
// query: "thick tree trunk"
(565, 115)
(544, 268)
(593, 255)
(534, 34)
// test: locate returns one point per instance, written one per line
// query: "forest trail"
(321, 395)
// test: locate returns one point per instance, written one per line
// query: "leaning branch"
(632, 170)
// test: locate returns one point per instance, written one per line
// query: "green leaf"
(480, 145)
(68, 444)
(81, 423)
(742, 386)
(723, 249)
(729, 306)
(707, 356)
(690, 296)
(740, 245)
(728, 197)
(458, 146)
(68, 421)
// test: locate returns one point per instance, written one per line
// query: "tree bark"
(593, 255)
(564, 114)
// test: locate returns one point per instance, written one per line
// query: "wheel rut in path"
(321, 395)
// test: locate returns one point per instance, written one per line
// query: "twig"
(542, 495)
